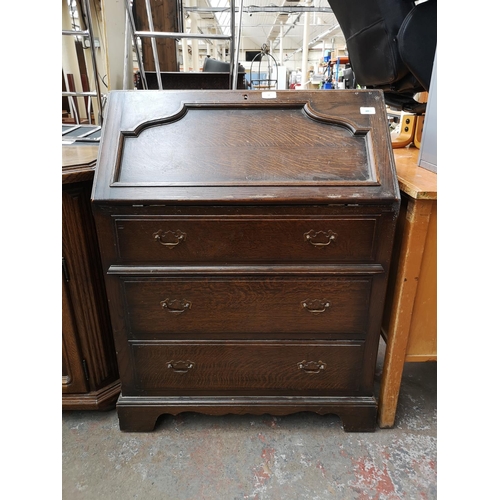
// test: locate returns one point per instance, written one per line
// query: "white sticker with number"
(367, 111)
(268, 95)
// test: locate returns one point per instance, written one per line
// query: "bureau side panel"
(377, 299)
(116, 302)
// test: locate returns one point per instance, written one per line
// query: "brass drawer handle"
(316, 306)
(180, 366)
(311, 366)
(320, 238)
(165, 238)
(176, 306)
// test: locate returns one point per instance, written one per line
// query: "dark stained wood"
(164, 14)
(78, 163)
(246, 239)
(214, 368)
(245, 242)
(139, 414)
(211, 150)
(73, 374)
(277, 304)
(65, 99)
(90, 375)
(331, 175)
(180, 80)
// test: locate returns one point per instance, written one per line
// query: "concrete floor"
(303, 456)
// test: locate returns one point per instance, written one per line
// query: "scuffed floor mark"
(405, 468)
(304, 461)
(128, 450)
(81, 487)
(263, 473)
(342, 452)
(270, 421)
(321, 467)
(371, 481)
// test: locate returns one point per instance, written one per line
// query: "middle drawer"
(165, 306)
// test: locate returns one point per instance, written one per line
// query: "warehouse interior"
(264, 47)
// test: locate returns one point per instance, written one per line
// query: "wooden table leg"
(412, 248)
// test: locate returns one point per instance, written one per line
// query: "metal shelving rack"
(136, 35)
(89, 34)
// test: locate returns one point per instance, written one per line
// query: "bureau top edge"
(310, 200)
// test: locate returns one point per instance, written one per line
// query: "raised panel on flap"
(231, 146)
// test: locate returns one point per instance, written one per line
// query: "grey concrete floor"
(301, 456)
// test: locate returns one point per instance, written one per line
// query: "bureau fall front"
(246, 239)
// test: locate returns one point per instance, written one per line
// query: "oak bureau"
(246, 238)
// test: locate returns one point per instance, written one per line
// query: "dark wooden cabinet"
(245, 239)
(89, 368)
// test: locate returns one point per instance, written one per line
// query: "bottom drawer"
(217, 368)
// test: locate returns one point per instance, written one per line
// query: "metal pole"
(94, 62)
(195, 53)
(255, 9)
(180, 16)
(172, 34)
(235, 69)
(281, 44)
(153, 45)
(305, 51)
(72, 103)
(185, 55)
(231, 44)
(136, 45)
(75, 32)
(70, 61)
(126, 54)
(184, 44)
(80, 94)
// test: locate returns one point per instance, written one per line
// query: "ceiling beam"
(315, 40)
(255, 9)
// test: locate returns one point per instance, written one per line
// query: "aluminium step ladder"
(89, 34)
(136, 35)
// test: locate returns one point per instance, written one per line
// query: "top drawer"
(188, 239)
